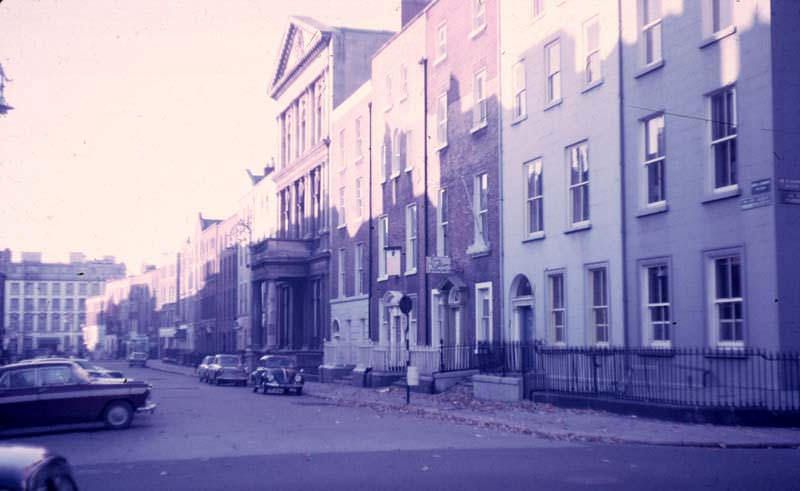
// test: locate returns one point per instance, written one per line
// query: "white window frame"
(656, 159)
(729, 139)
(383, 239)
(342, 207)
(480, 314)
(534, 200)
(442, 222)
(651, 305)
(384, 162)
(397, 138)
(359, 269)
(715, 22)
(578, 186)
(553, 308)
(519, 108)
(650, 22)
(342, 274)
(481, 237)
(441, 43)
(403, 82)
(441, 120)
(553, 92)
(342, 135)
(715, 303)
(600, 332)
(592, 55)
(388, 86)
(480, 108)
(359, 198)
(412, 245)
(478, 16)
(359, 141)
(536, 8)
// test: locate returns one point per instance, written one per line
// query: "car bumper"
(232, 378)
(149, 407)
(275, 385)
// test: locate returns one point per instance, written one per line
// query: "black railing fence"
(700, 377)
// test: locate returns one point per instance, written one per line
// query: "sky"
(131, 117)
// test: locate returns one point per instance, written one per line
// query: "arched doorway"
(522, 305)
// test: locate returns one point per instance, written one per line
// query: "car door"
(19, 398)
(63, 395)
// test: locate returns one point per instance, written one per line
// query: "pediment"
(301, 39)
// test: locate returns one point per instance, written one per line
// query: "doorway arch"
(522, 308)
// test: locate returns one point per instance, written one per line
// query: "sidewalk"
(541, 420)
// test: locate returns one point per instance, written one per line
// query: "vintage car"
(137, 359)
(24, 468)
(277, 372)
(226, 368)
(50, 392)
(93, 370)
(202, 368)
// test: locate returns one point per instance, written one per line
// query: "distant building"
(45, 303)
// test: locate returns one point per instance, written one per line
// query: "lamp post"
(241, 226)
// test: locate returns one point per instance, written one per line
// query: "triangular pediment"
(301, 39)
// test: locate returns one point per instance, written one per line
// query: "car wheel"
(299, 391)
(255, 388)
(118, 415)
(285, 391)
(217, 381)
(264, 388)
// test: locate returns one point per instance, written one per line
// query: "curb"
(161, 369)
(551, 435)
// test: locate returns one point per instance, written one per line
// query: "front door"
(63, 397)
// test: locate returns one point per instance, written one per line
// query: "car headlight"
(298, 378)
(270, 377)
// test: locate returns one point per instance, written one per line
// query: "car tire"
(118, 415)
(217, 381)
(299, 391)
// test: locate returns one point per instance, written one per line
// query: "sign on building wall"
(393, 261)
(789, 190)
(439, 265)
(761, 194)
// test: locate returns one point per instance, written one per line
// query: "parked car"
(24, 468)
(202, 368)
(93, 370)
(137, 359)
(226, 368)
(47, 392)
(277, 372)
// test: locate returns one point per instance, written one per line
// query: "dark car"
(137, 359)
(49, 392)
(277, 372)
(24, 468)
(226, 368)
(93, 370)
(202, 368)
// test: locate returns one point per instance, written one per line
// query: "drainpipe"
(424, 62)
(371, 222)
(623, 225)
(504, 317)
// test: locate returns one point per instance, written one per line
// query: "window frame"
(341, 277)
(480, 106)
(594, 307)
(481, 228)
(552, 74)
(713, 301)
(478, 16)
(441, 120)
(535, 201)
(656, 159)
(651, 33)
(572, 187)
(441, 43)
(537, 9)
(552, 308)
(411, 239)
(442, 222)
(480, 336)
(519, 81)
(589, 53)
(729, 139)
(383, 239)
(359, 269)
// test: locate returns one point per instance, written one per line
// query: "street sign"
(439, 265)
(760, 186)
(789, 184)
(756, 201)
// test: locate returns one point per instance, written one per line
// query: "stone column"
(271, 313)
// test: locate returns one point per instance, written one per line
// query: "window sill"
(714, 38)
(593, 85)
(534, 237)
(519, 119)
(579, 227)
(552, 104)
(477, 32)
(382, 278)
(438, 61)
(387, 108)
(653, 209)
(479, 127)
(395, 175)
(410, 272)
(403, 98)
(649, 68)
(478, 250)
(442, 146)
(358, 160)
(341, 226)
(408, 169)
(723, 193)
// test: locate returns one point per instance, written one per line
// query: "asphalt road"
(206, 437)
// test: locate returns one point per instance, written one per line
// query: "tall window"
(482, 207)
(441, 42)
(342, 218)
(537, 8)
(441, 120)
(599, 313)
(359, 198)
(403, 82)
(478, 14)
(29, 288)
(553, 63)
(320, 109)
(651, 31)
(721, 14)
(360, 283)
(342, 161)
(654, 159)
(411, 238)
(479, 111)
(578, 156)
(723, 137)
(383, 241)
(288, 138)
(388, 91)
(396, 154)
(727, 300)
(385, 157)
(301, 136)
(41, 288)
(558, 312)
(359, 140)
(657, 306)
(15, 288)
(593, 70)
(341, 275)
(483, 312)
(534, 206)
(442, 222)
(520, 107)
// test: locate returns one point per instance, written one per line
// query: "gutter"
(371, 229)
(504, 317)
(424, 62)
(623, 224)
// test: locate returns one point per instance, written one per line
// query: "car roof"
(37, 363)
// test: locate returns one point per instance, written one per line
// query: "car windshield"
(275, 362)
(85, 365)
(228, 360)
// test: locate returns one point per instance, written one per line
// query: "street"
(208, 437)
